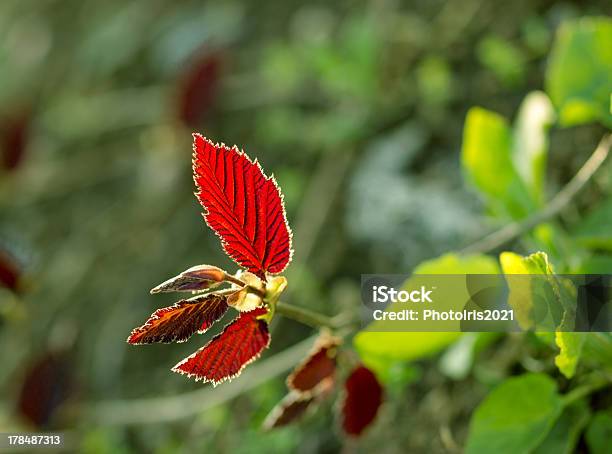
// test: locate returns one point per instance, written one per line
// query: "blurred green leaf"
(487, 161)
(579, 75)
(530, 142)
(515, 417)
(594, 230)
(599, 433)
(570, 346)
(435, 80)
(502, 58)
(410, 346)
(564, 435)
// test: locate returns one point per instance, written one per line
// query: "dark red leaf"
(243, 206)
(200, 277)
(179, 322)
(198, 88)
(224, 357)
(13, 138)
(318, 365)
(363, 398)
(10, 271)
(294, 405)
(290, 409)
(47, 384)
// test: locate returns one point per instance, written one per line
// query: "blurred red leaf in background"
(14, 130)
(198, 88)
(46, 386)
(363, 397)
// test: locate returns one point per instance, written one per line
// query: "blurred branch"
(172, 408)
(306, 316)
(557, 203)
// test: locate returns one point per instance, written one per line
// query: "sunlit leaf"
(579, 74)
(243, 206)
(179, 322)
(362, 400)
(530, 141)
(515, 417)
(570, 348)
(228, 353)
(376, 348)
(486, 158)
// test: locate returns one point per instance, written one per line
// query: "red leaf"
(14, 131)
(224, 357)
(46, 386)
(294, 405)
(198, 88)
(363, 398)
(179, 322)
(290, 409)
(10, 271)
(243, 207)
(318, 365)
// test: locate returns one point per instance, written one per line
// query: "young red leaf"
(363, 398)
(290, 409)
(318, 365)
(243, 207)
(224, 357)
(200, 277)
(179, 322)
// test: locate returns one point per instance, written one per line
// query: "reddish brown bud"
(197, 278)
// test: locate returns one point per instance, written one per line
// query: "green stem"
(556, 204)
(305, 316)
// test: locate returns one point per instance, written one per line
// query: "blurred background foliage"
(358, 108)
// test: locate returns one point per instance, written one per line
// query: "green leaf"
(599, 433)
(521, 295)
(530, 142)
(541, 300)
(515, 417)
(410, 346)
(503, 58)
(486, 158)
(579, 75)
(594, 230)
(570, 346)
(564, 435)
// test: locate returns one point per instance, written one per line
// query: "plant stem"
(305, 316)
(557, 203)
